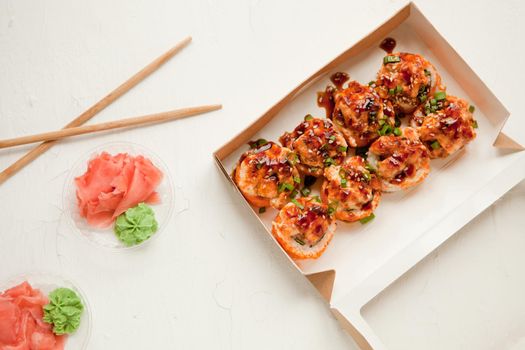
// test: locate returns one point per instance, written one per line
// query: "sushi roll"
(445, 124)
(317, 144)
(304, 228)
(400, 161)
(407, 80)
(351, 190)
(266, 174)
(360, 114)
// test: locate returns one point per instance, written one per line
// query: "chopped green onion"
(294, 193)
(297, 179)
(299, 205)
(397, 132)
(292, 157)
(329, 161)
(332, 207)
(371, 83)
(381, 122)
(262, 210)
(440, 95)
(475, 124)
(306, 191)
(391, 59)
(435, 145)
(391, 91)
(370, 168)
(332, 138)
(259, 165)
(257, 143)
(471, 109)
(422, 98)
(433, 102)
(308, 117)
(285, 187)
(298, 240)
(343, 182)
(342, 148)
(385, 130)
(317, 199)
(427, 72)
(367, 176)
(399, 89)
(367, 219)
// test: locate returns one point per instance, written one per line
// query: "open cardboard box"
(408, 225)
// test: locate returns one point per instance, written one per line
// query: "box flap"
(350, 329)
(324, 282)
(503, 141)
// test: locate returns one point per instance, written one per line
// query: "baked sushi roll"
(317, 145)
(351, 190)
(360, 114)
(266, 174)
(400, 161)
(304, 228)
(445, 124)
(407, 80)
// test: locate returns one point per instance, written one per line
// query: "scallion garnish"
(397, 132)
(399, 89)
(385, 130)
(306, 191)
(317, 199)
(332, 207)
(308, 117)
(391, 91)
(475, 124)
(427, 72)
(329, 161)
(298, 240)
(332, 138)
(433, 101)
(262, 210)
(297, 179)
(371, 83)
(342, 148)
(367, 176)
(391, 59)
(471, 109)
(440, 95)
(370, 168)
(294, 193)
(435, 145)
(285, 187)
(367, 219)
(299, 205)
(343, 182)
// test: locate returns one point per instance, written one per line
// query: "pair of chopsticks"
(75, 126)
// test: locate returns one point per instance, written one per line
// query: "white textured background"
(213, 279)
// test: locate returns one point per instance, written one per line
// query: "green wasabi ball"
(136, 225)
(63, 311)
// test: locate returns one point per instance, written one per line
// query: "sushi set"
(372, 162)
(344, 174)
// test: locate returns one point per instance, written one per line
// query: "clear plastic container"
(46, 283)
(106, 237)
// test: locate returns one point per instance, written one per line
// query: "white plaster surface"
(213, 278)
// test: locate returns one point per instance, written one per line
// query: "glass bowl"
(46, 283)
(106, 237)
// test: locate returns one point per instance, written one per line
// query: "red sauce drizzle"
(325, 99)
(389, 44)
(338, 79)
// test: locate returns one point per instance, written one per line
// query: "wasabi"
(63, 311)
(136, 225)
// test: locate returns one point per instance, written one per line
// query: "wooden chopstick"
(97, 107)
(123, 123)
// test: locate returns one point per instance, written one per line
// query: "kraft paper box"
(362, 260)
